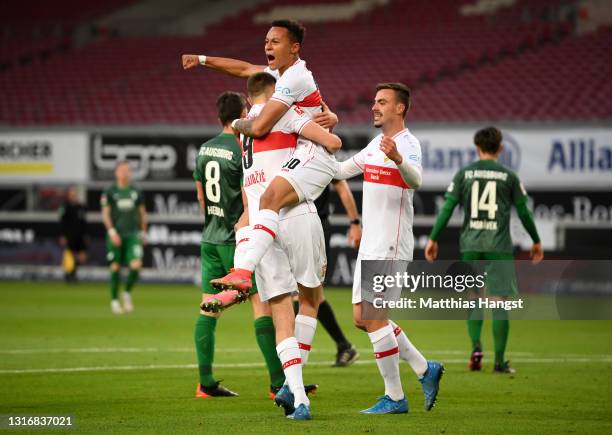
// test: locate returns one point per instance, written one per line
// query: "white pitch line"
(607, 359)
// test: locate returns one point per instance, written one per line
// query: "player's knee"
(359, 324)
(114, 267)
(136, 264)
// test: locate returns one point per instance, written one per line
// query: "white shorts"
(309, 170)
(297, 256)
(392, 267)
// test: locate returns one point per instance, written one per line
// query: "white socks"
(289, 355)
(262, 234)
(242, 238)
(408, 352)
(386, 352)
(305, 328)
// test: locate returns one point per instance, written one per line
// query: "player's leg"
(211, 266)
(306, 321)
(408, 352)
(346, 354)
(288, 352)
(386, 352)
(266, 340)
(133, 249)
(280, 193)
(501, 285)
(475, 318)
(114, 258)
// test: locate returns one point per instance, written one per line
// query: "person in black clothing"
(346, 354)
(73, 228)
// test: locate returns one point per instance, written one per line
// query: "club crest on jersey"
(256, 177)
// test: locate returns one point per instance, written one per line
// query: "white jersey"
(297, 86)
(263, 158)
(387, 211)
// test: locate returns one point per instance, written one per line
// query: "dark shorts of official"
(76, 244)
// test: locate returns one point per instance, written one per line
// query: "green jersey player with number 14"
(487, 191)
(125, 219)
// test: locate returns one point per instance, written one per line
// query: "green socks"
(474, 324)
(501, 327)
(114, 282)
(132, 279)
(205, 348)
(266, 339)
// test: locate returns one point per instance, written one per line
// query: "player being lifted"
(125, 218)
(487, 190)
(391, 165)
(218, 177)
(310, 168)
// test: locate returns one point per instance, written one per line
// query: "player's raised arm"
(233, 67)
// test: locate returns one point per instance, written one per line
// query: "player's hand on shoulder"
(431, 251)
(326, 118)
(190, 61)
(389, 147)
(537, 253)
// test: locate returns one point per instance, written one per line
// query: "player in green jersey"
(125, 218)
(487, 191)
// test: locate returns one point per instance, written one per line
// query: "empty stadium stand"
(522, 60)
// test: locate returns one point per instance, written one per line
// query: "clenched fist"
(190, 61)
(387, 146)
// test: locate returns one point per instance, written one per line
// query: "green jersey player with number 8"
(487, 191)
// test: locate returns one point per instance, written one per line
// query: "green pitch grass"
(63, 353)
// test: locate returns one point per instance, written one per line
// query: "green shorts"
(216, 262)
(130, 249)
(501, 275)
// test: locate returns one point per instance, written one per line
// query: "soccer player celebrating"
(218, 175)
(297, 258)
(391, 164)
(310, 168)
(487, 190)
(125, 218)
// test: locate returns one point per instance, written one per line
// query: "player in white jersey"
(391, 166)
(310, 169)
(296, 259)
